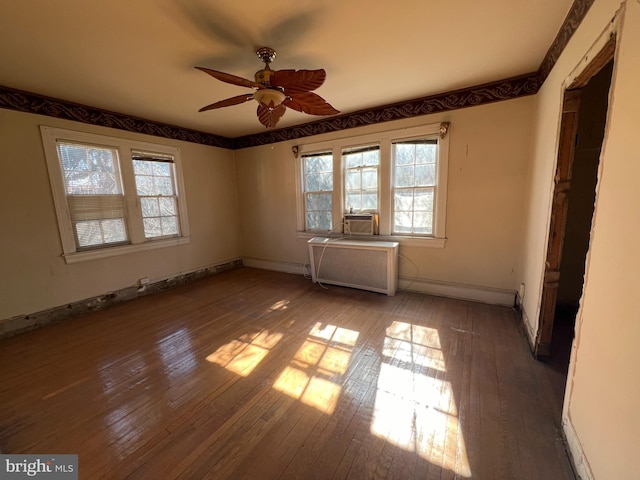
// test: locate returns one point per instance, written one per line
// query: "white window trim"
(124, 147)
(385, 140)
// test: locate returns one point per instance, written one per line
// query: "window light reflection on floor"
(414, 409)
(243, 355)
(314, 373)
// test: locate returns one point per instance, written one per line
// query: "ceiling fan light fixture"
(269, 97)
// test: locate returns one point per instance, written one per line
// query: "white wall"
(601, 416)
(489, 148)
(34, 275)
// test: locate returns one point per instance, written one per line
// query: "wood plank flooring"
(252, 374)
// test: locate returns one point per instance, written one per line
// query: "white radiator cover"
(367, 265)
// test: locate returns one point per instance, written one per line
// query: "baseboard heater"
(363, 264)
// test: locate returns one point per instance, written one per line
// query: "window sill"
(405, 241)
(76, 257)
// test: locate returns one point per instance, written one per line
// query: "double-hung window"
(156, 189)
(361, 166)
(414, 186)
(94, 193)
(318, 190)
(400, 175)
(114, 195)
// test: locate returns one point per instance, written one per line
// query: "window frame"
(385, 178)
(134, 224)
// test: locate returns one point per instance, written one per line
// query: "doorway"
(580, 143)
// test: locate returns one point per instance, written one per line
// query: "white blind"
(95, 207)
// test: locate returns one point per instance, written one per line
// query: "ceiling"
(137, 57)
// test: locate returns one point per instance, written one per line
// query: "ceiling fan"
(275, 90)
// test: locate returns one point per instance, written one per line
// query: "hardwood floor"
(261, 375)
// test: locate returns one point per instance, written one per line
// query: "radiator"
(368, 265)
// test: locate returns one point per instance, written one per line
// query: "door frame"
(560, 201)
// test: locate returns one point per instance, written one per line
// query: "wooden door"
(559, 210)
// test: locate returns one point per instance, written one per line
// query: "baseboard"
(576, 454)
(475, 293)
(285, 267)
(525, 329)
(22, 323)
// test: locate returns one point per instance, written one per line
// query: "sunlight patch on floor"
(415, 408)
(316, 369)
(243, 355)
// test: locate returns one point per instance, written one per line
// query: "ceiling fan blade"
(309, 102)
(232, 79)
(228, 102)
(269, 116)
(297, 81)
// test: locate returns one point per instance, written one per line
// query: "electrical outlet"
(143, 281)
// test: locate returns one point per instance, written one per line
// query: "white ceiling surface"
(137, 56)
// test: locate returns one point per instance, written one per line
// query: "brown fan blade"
(298, 81)
(228, 102)
(309, 102)
(269, 116)
(232, 79)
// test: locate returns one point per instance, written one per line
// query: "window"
(361, 166)
(414, 184)
(318, 190)
(114, 195)
(155, 186)
(93, 188)
(401, 175)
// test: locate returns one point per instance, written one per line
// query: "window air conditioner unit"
(361, 224)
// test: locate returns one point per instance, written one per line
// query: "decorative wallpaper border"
(466, 97)
(507, 89)
(574, 18)
(21, 101)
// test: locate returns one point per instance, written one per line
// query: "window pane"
(404, 154)
(422, 222)
(402, 222)
(426, 174)
(352, 161)
(88, 233)
(152, 227)
(169, 226)
(371, 157)
(142, 167)
(319, 182)
(354, 201)
(319, 221)
(150, 207)
(168, 206)
(370, 201)
(114, 230)
(426, 153)
(319, 163)
(162, 169)
(370, 179)
(164, 186)
(404, 176)
(353, 180)
(423, 200)
(144, 185)
(403, 200)
(318, 201)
